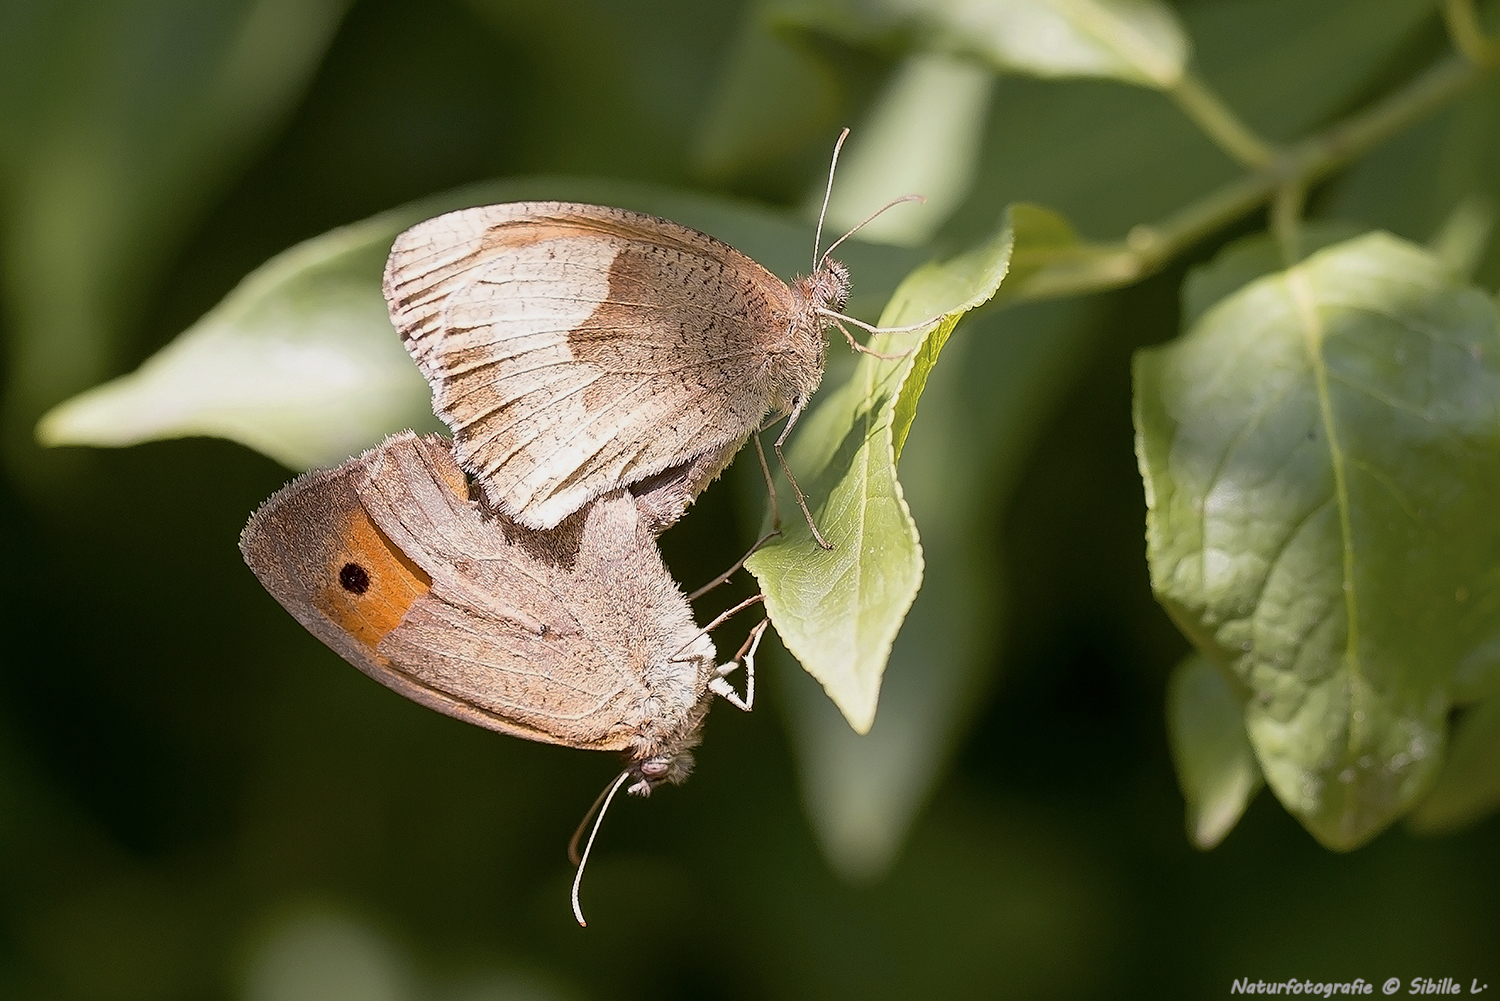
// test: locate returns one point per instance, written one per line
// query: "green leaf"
(1215, 764)
(1249, 258)
(1320, 460)
(1052, 260)
(134, 116)
(839, 610)
(1468, 787)
(998, 387)
(1136, 41)
(300, 361)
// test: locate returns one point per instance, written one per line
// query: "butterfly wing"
(575, 348)
(390, 565)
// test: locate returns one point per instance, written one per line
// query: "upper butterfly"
(574, 349)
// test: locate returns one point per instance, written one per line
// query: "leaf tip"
(90, 418)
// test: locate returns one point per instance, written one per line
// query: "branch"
(1293, 169)
(1220, 123)
(1468, 37)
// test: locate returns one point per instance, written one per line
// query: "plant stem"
(1286, 221)
(1220, 123)
(1468, 37)
(1293, 169)
(1322, 154)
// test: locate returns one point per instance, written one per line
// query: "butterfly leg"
(765, 472)
(863, 349)
(791, 422)
(745, 656)
(737, 564)
(718, 621)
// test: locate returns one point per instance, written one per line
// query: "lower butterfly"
(576, 636)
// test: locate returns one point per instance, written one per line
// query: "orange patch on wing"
(453, 478)
(370, 583)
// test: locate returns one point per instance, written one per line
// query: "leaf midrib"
(868, 419)
(1305, 302)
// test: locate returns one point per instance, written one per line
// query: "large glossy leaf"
(1320, 457)
(1137, 41)
(300, 361)
(1215, 764)
(839, 610)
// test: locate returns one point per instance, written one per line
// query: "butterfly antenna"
(601, 805)
(827, 193)
(871, 218)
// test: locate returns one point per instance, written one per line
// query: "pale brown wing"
(574, 349)
(386, 561)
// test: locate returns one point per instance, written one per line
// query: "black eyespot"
(354, 578)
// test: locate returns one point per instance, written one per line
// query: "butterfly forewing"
(575, 348)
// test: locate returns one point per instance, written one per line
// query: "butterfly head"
(670, 766)
(828, 287)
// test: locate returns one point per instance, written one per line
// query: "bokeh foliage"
(198, 799)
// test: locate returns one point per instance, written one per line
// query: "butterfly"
(575, 636)
(574, 349)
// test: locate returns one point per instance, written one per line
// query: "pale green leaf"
(922, 136)
(301, 362)
(985, 405)
(1320, 459)
(1136, 41)
(839, 610)
(127, 141)
(1215, 764)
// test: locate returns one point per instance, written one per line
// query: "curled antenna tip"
(827, 193)
(602, 805)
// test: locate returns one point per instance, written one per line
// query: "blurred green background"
(198, 800)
